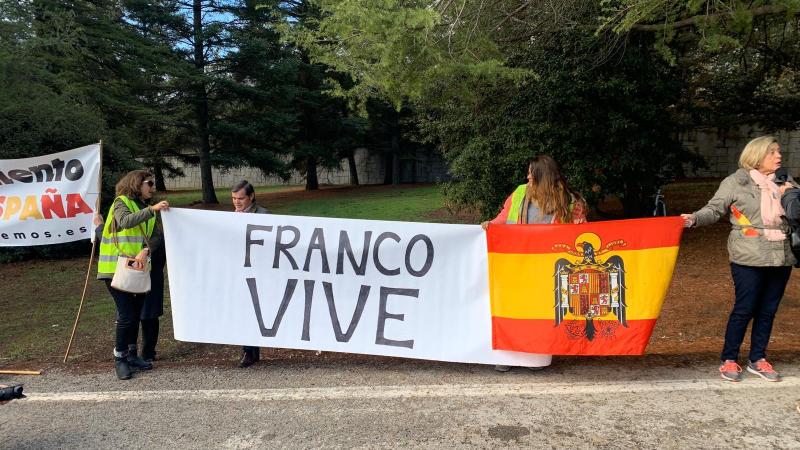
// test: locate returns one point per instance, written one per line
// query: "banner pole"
(20, 372)
(91, 258)
(80, 306)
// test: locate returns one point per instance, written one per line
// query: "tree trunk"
(387, 167)
(312, 182)
(158, 173)
(396, 149)
(206, 177)
(351, 161)
(201, 106)
(414, 167)
(395, 167)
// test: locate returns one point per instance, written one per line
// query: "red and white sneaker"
(763, 369)
(730, 371)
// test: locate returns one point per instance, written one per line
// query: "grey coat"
(255, 209)
(739, 190)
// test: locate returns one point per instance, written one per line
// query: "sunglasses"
(150, 183)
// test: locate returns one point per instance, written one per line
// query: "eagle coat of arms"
(589, 289)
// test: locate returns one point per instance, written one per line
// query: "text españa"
(49, 205)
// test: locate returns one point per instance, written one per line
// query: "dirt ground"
(690, 327)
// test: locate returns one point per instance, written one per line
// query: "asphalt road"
(400, 403)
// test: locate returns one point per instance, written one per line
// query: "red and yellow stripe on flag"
(589, 289)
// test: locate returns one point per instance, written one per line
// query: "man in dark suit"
(243, 195)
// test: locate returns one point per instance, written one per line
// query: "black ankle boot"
(137, 363)
(250, 356)
(122, 368)
(11, 392)
(149, 357)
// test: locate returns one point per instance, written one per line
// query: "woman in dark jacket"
(153, 306)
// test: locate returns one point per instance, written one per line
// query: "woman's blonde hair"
(755, 151)
(131, 184)
(548, 188)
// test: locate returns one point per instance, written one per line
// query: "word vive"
(400, 289)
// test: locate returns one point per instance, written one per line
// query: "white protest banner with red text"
(414, 290)
(49, 199)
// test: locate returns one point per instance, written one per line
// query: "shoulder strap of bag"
(757, 227)
(114, 237)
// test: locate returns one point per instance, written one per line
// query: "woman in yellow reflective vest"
(129, 230)
(545, 199)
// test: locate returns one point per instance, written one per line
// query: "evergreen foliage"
(152, 82)
(610, 125)
(742, 58)
(603, 85)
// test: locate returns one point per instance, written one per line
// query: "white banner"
(414, 290)
(49, 199)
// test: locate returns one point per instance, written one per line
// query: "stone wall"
(424, 167)
(721, 149)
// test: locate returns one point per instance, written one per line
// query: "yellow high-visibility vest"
(517, 199)
(130, 240)
(516, 204)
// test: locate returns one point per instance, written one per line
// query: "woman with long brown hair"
(129, 231)
(545, 199)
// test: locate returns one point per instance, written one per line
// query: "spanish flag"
(589, 289)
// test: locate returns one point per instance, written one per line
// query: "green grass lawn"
(39, 306)
(41, 298)
(187, 197)
(410, 204)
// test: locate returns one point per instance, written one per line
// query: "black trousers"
(149, 338)
(152, 309)
(759, 291)
(153, 306)
(129, 308)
